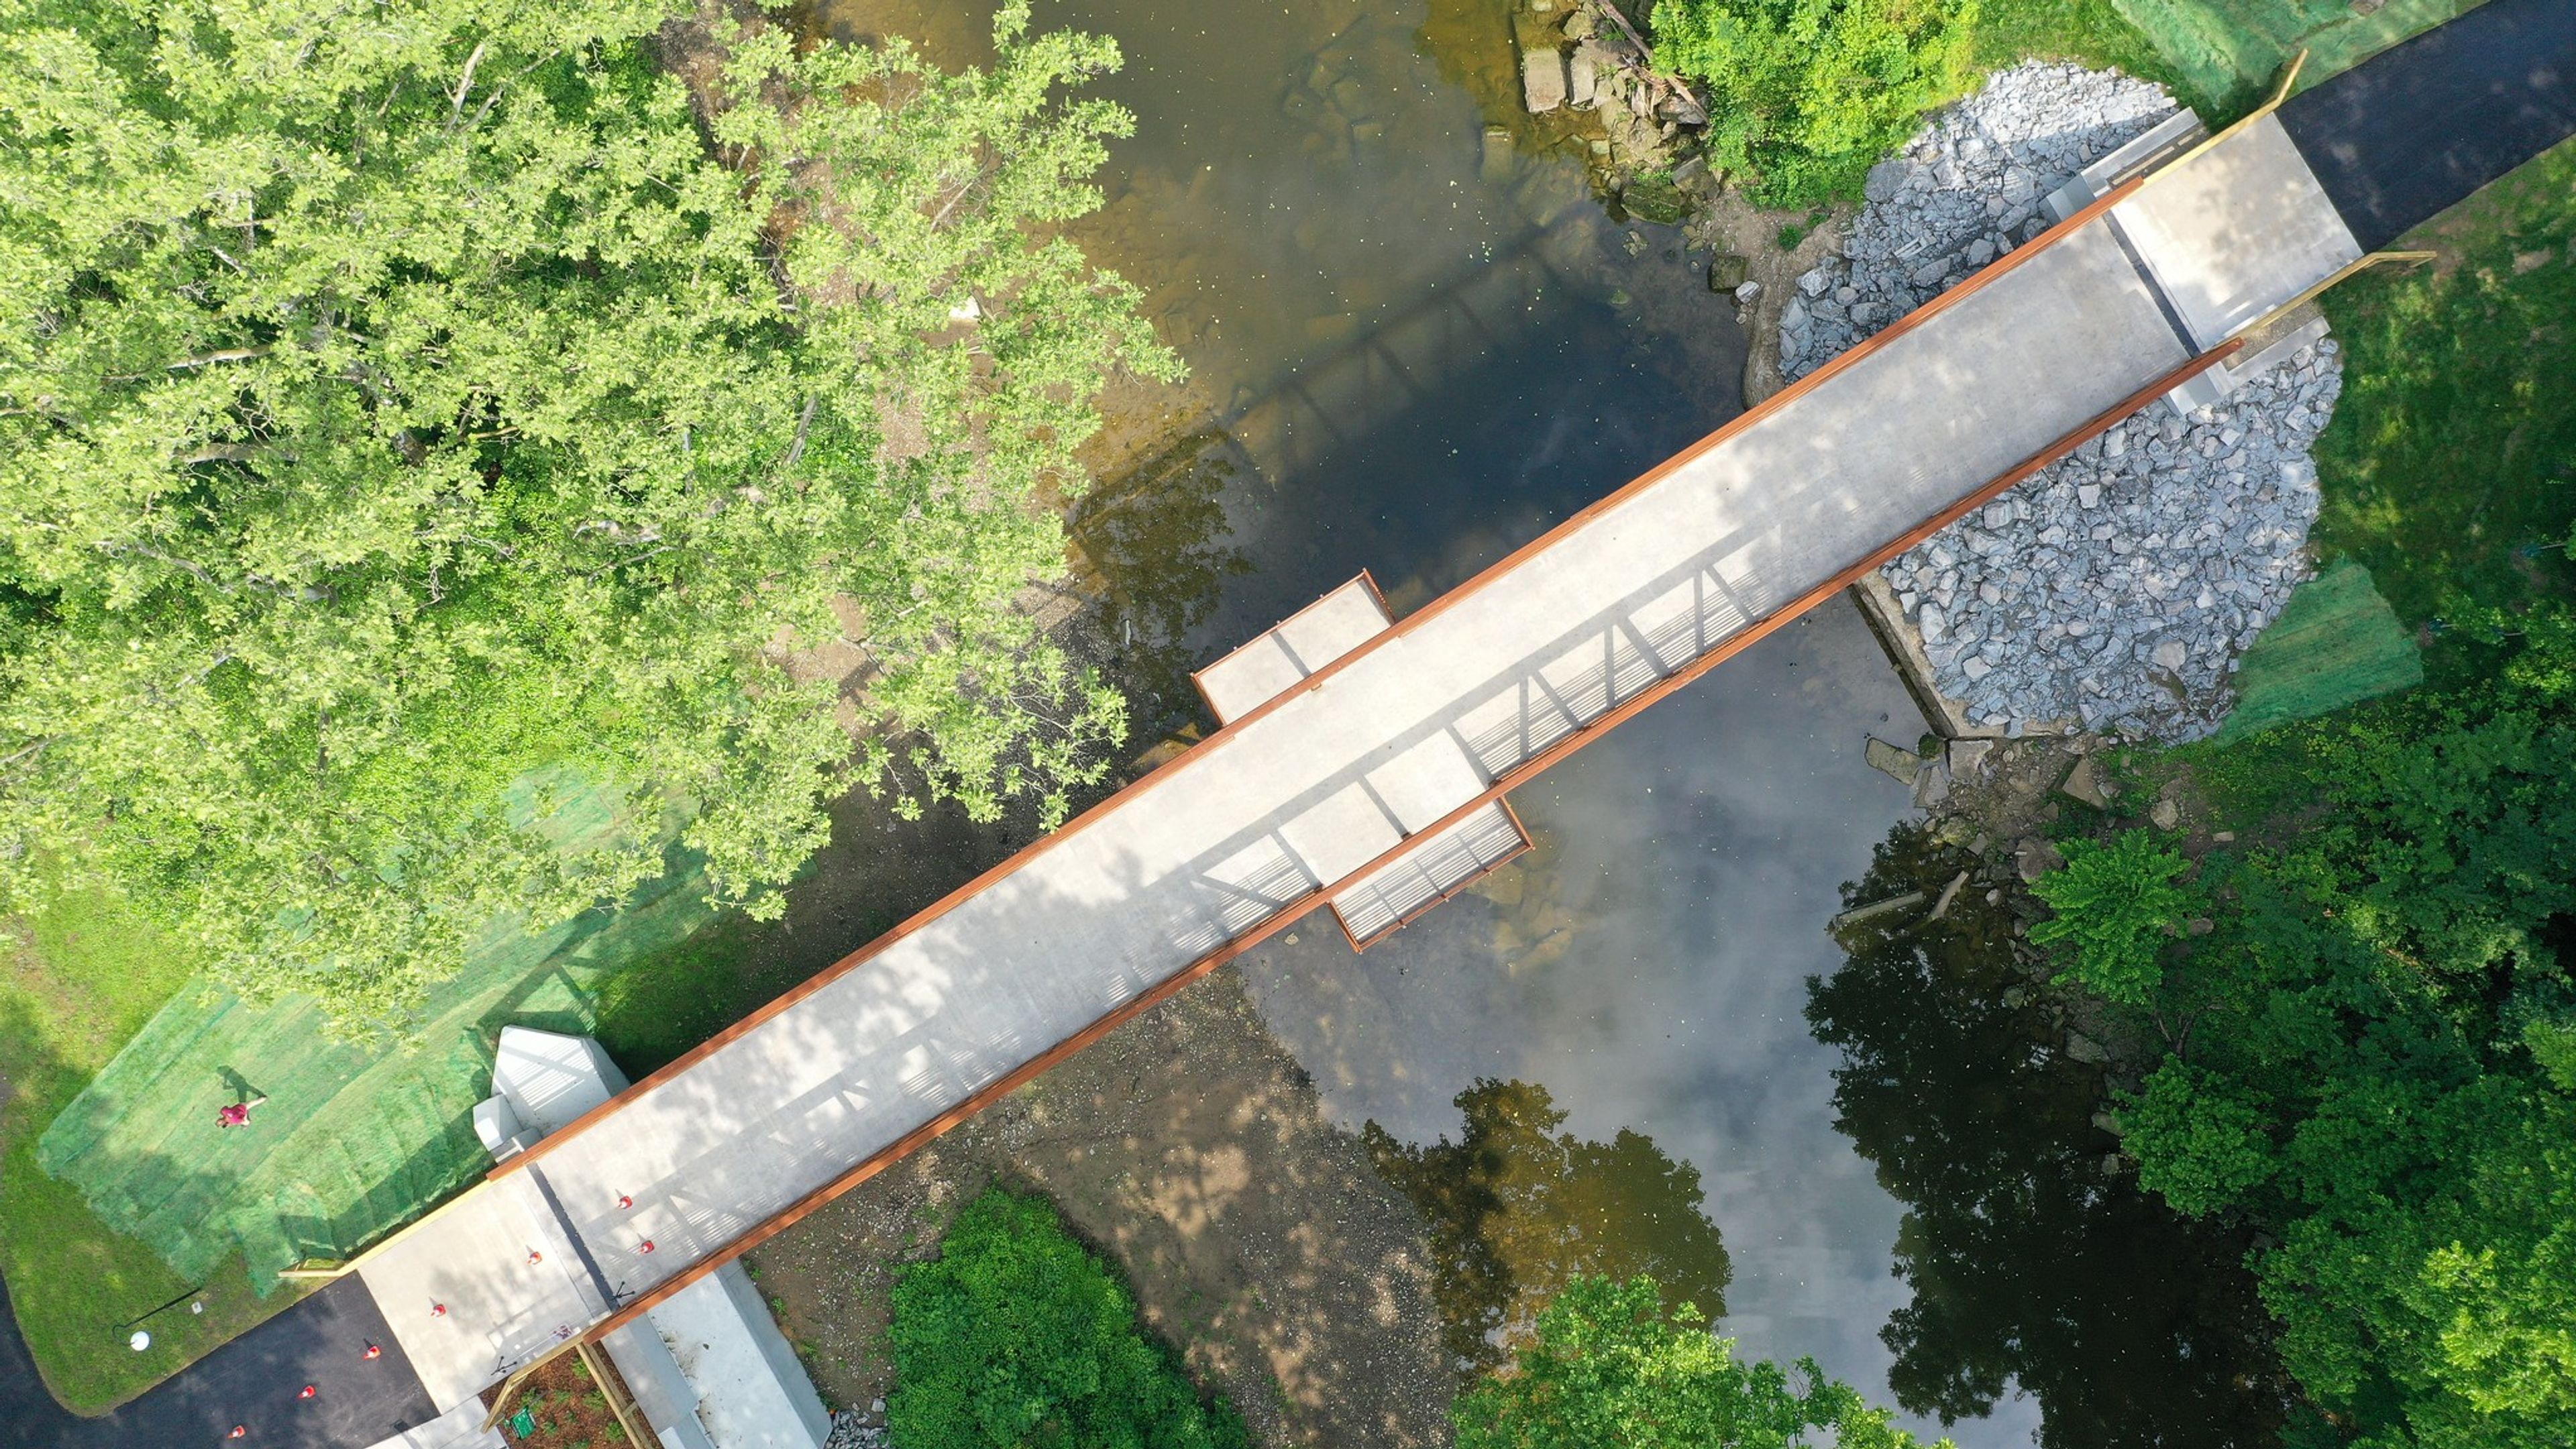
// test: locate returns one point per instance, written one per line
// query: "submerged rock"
(1543, 80)
(1887, 759)
(1654, 198)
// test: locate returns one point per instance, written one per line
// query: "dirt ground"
(1188, 1148)
(1729, 223)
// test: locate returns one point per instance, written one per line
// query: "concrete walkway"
(1406, 732)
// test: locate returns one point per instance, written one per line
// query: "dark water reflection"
(1412, 353)
(1647, 964)
(2028, 1262)
(1518, 1208)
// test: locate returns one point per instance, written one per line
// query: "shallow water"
(1414, 349)
(1648, 965)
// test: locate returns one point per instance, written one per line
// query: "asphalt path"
(2402, 136)
(252, 1381)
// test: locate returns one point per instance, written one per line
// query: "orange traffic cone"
(306, 1392)
(372, 1352)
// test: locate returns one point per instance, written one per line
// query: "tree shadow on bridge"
(2031, 1266)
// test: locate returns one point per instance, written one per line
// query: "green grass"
(117, 1194)
(667, 1001)
(2090, 32)
(2336, 644)
(82, 978)
(2231, 51)
(115, 1057)
(2218, 56)
(2450, 466)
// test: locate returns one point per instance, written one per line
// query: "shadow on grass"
(78, 1287)
(2450, 466)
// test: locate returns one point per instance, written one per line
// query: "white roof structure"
(709, 1369)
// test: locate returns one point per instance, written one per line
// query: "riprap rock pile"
(2113, 589)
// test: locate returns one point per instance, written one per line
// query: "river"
(1416, 344)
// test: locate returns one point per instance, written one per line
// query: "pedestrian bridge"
(1364, 761)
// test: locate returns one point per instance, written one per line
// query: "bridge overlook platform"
(1362, 761)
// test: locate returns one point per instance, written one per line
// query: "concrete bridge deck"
(1385, 753)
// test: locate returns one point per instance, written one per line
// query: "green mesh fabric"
(2232, 49)
(2336, 643)
(354, 1140)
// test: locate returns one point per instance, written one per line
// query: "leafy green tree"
(2552, 1044)
(2196, 1144)
(1015, 1337)
(2030, 1271)
(2117, 904)
(2376, 1074)
(1519, 1209)
(1805, 95)
(396, 405)
(1610, 1366)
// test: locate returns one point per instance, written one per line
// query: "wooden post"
(510, 1385)
(613, 1389)
(2348, 269)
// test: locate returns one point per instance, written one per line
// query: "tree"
(1805, 95)
(1015, 1337)
(2197, 1145)
(394, 409)
(1609, 1366)
(2117, 904)
(1518, 1210)
(2376, 1074)
(2029, 1269)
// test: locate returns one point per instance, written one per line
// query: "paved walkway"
(251, 1381)
(1390, 738)
(2399, 139)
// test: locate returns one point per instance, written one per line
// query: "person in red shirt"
(237, 1114)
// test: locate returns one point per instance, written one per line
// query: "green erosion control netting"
(354, 1140)
(2232, 49)
(2336, 643)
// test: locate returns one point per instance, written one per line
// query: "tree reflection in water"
(1517, 1208)
(1153, 551)
(2030, 1263)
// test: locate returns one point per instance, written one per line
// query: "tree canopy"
(2116, 905)
(399, 400)
(1015, 1337)
(2369, 1053)
(1609, 1366)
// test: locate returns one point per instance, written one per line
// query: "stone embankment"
(852, 1429)
(2113, 591)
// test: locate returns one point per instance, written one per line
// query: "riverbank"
(850, 898)
(1188, 1148)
